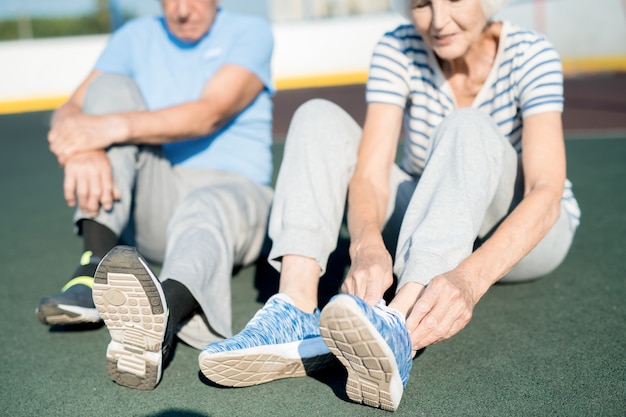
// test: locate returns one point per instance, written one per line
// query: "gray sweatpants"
(470, 184)
(198, 223)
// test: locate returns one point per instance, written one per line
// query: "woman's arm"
(544, 167)
(445, 306)
(370, 273)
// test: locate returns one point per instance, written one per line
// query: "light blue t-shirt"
(170, 72)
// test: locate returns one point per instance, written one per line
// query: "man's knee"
(113, 93)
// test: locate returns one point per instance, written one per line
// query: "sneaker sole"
(254, 366)
(59, 314)
(131, 303)
(373, 376)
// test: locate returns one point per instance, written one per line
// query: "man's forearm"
(181, 122)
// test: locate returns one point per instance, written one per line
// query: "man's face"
(189, 20)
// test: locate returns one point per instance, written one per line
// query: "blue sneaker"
(373, 344)
(131, 302)
(281, 341)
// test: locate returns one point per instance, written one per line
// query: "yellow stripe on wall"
(571, 66)
(35, 104)
(326, 80)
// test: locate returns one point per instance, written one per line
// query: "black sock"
(97, 238)
(88, 270)
(181, 303)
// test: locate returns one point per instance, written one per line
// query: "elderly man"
(166, 147)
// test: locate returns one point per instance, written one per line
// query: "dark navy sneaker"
(373, 344)
(132, 304)
(74, 304)
(280, 341)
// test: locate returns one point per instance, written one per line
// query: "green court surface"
(553, 347)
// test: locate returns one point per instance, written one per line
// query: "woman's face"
(189, 20)
(449, 27)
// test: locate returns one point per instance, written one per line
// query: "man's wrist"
(118, 128)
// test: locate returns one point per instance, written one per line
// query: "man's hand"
(370, 274)
(444, 308)
(89, 181)
(80, 133)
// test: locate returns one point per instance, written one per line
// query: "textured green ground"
(552, 347)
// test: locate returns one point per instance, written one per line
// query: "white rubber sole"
(258, 365)
(132, 304)
(373, 376)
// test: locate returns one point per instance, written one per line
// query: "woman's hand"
(370, 274)
(444, 308)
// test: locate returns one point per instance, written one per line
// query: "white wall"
(47, 67)
(578, 28)
(327, 47)
(36, 74)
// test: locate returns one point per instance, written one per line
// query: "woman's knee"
(318, 108)
(468, 118)
(471, 133)
(325, 116)
(321, 131)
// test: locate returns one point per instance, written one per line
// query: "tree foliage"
(97, 22)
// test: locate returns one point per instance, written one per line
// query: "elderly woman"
(480, 196)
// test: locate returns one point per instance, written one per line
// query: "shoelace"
(384, 312)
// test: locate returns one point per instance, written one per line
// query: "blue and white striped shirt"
(526, 78)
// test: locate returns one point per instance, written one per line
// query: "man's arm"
(228, 92)
(88, 180)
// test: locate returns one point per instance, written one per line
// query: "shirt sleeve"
(253, 50)
(541, 79)
(388, 80)
(117, 54)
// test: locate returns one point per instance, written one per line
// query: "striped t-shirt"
(526, 78)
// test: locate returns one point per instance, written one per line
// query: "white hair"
(490, 7)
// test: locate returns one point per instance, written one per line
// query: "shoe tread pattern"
(130, 305)
(355, 342)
